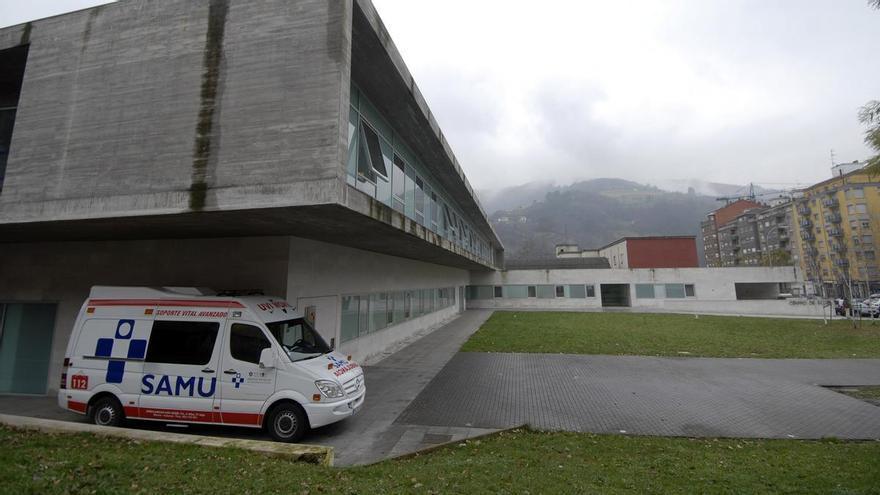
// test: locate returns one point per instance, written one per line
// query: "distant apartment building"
(774, 233)
(721, 237)
(835, 224)
(739, 240)
(749, 234)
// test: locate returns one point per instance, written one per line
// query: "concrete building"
(758, 235)
(570, 250)
(752, 290)
(739, 240)
(640, 252)
(711, 229)
(835, 223)
(774, 232)
(274, 145)
(842, 169)
(652, 252)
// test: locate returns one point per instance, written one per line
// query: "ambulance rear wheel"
(287, 423)
(107, 412)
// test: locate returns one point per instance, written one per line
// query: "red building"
(727, 213)
(652, 252)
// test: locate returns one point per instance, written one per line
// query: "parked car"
(867, 307)
(871, 307)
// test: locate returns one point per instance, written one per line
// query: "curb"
(313, 454)
(432, 448)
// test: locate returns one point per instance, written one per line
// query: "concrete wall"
(665, 252)
(63, 273)
(715, 289)
(142, 107)
(616, 254)
(308, 273)
(320, 274)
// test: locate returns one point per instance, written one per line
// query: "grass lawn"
(515, 462)
(673, 335)
(866, 393)
(872, 393)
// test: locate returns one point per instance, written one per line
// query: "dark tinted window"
(498, 291)
(246, 342)
(399, 177)
(591, 291)
(182, 342)
(533, 291)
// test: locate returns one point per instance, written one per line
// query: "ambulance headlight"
(330, 389)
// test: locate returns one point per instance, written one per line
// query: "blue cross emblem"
(137, 349)
(338, 363)
(237, 380)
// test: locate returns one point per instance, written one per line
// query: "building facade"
(278, 146)
(745, 290)
(652, 252)
(640, 252)
(757, 235)
(835, 223)
(739, 241)
(778, 248)
(717, 255)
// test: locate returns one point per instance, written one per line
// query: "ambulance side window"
(182, 342)
(246, 342)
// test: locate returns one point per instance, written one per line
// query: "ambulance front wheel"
(287, 423)
(107, 411)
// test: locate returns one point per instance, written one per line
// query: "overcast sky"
(728, 91)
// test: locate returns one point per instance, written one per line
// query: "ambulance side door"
(179, 380)
(244, 385)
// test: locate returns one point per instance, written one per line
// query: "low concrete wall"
(714, 289)
(759, 308)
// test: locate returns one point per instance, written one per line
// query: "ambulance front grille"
(354, 385)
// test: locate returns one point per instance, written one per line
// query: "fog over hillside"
(532, 218)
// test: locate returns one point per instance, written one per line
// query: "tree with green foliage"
(870, 116)
(777, 257)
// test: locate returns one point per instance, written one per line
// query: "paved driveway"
(651, 396)
(368, 437)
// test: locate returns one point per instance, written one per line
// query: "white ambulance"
(175, 355)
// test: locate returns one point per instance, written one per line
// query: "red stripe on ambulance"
(184, 303)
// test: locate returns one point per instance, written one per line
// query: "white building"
(741, 290)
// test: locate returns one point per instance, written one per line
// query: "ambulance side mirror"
(267, 358)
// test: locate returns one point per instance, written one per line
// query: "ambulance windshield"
(298, 339)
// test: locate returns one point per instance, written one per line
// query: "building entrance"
(25, 346)
(615, 295)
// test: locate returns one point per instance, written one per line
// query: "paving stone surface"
(371, 435)
(651, 395)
